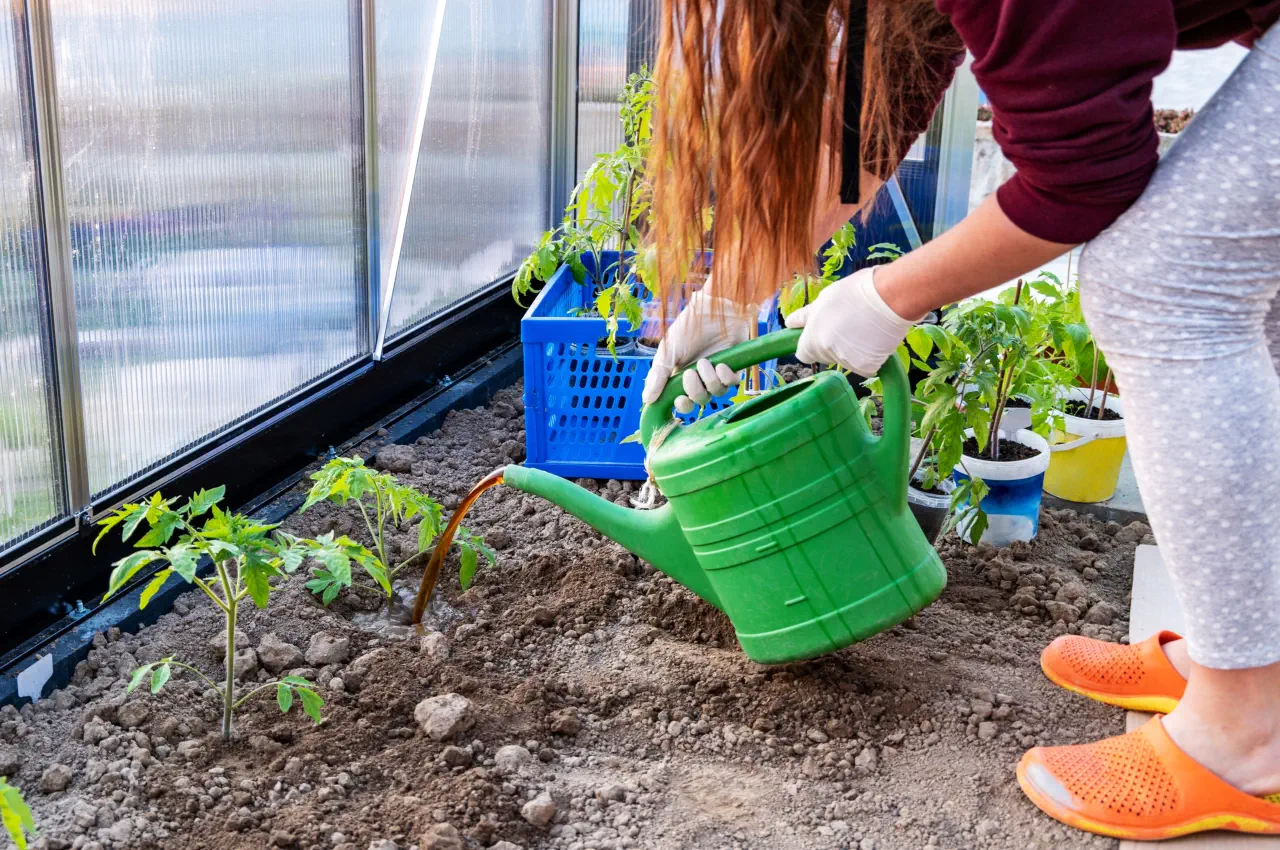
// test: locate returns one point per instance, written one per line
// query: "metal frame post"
(955, 164)
(372, 212)
(564, 106)
(56, 232)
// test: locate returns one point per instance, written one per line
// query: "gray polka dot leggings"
(1177, 293)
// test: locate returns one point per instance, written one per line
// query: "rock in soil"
(444, 716)
(650, 728)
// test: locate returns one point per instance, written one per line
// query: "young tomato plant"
(15, 815)
(607, 209)
(385, 505)
(246, 556)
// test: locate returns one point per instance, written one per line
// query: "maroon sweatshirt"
(1070, 88)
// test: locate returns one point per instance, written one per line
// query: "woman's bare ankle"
(1176, 652)
(1229, 722)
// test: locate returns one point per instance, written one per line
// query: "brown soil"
(1078, 408)
(1173, 120)
(643, 720)
(1009, 451)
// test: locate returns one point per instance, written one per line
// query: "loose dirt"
(599, 704)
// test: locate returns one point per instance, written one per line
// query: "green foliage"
(15, 815)
(804, 288)
(984, 353)
(246, 556)
(385, 505)
(608, 208)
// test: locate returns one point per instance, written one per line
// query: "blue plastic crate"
(580, 403)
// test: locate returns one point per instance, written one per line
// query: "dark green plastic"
(783, 511)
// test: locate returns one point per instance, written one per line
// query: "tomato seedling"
(245, 554)
(385, 505)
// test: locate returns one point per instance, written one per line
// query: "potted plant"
(1088, 447)
(983, 354)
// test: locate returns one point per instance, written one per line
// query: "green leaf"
(470, 561)
(160, 677)
(941, 339)
(138, 676)
(184, 559)
(154, 587)
(126, 568)
(259, 586)
(162, 529)
(296, 680)
(203, 500)
(284, 697)
(330, 593)
(15, 815)
(257, 572)
(221, 550)
(920, 341)
(311, 703)
(979, 526)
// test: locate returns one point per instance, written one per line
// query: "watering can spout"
(654, 535)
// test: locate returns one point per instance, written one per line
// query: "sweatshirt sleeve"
(1069, 83)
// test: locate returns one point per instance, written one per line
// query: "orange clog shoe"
(1139, 786)
(1138, 677)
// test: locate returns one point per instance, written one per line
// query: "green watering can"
(783, 511)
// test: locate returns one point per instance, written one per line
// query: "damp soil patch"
(1009, 451)
(1083, 410)
(599, 704)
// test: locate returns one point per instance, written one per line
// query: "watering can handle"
(737, 358)
(893, 447)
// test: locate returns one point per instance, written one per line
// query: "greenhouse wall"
(205, 254)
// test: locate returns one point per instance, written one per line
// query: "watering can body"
(784, 511)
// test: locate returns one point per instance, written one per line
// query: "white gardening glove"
(706, 325)
(849, 325)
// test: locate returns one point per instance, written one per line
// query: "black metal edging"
(68, 641)
(44, 593)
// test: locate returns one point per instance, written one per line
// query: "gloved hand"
(849, 325)
(706, 325)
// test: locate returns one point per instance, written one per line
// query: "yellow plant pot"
(1084, 465)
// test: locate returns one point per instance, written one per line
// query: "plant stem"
(207, 680)
(1002, 387)
(1106, 390)
(626, 226)
(1093, 381)
(228, 694)
(924, 449)
(254, 692)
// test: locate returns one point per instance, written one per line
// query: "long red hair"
(748, 120)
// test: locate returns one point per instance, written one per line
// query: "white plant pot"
(1016, 488)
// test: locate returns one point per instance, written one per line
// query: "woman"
(1182, 264)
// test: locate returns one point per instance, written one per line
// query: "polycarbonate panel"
(616, 38)
(208, 148)
(480, 194)
(31, 492)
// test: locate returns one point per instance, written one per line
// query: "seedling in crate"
(385, 505)
(15, 815)
(607, 209)
(246, 556)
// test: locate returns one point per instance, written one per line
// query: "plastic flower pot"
(1015, 418)
(1087, 454)
(930, 509)
(1016, 487)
